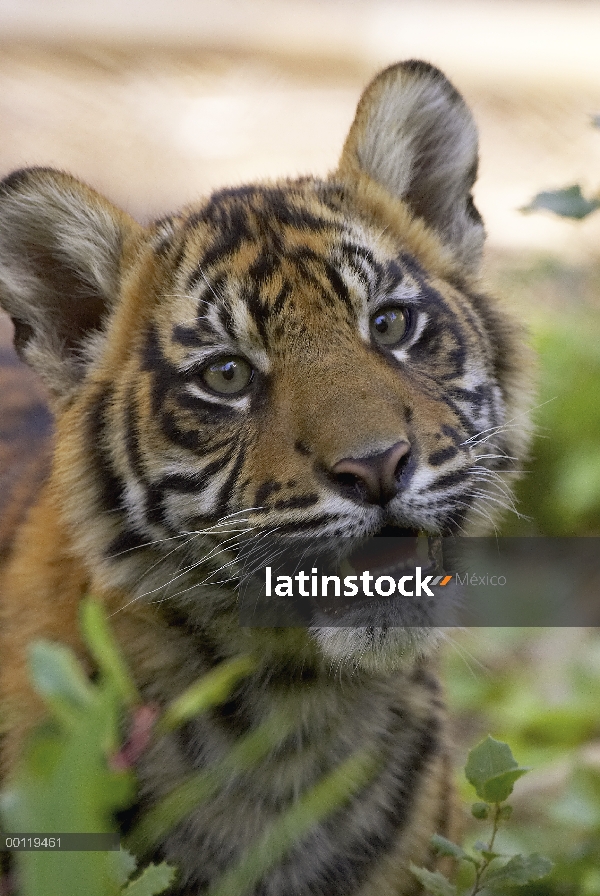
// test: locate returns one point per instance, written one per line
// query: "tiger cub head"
(308, 358)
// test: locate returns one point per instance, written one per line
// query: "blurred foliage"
(559, 493)
(75, 775)
(539, 690)
(568, 202)
(68, 781)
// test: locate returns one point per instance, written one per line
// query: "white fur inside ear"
(415, 136)
(410, 130)
(60, 251)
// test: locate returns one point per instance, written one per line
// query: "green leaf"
(492, 770)
(445, 847)
(64, 783)
(196, 788)
(498, 789)
(568, 203)
(153, 880)
(212, 689)
(480, 811)
(124, 864)
(518, 871)
(59, 679)
(104, 649)
(489, 856)
(434, 882)
(485, 851)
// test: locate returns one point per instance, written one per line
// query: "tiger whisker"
(181, 572)
(504, 426)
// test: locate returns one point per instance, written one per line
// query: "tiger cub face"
(306, 359)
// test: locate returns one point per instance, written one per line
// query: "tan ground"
(156, 103)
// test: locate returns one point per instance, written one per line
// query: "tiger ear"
(60, 256)
(414, 135)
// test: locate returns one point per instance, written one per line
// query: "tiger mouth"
(392, 552)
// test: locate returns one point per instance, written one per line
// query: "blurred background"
(156, 103)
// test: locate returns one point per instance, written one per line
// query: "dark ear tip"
(420, 67)
(16, 179)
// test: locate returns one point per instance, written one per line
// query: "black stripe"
(394, 275)
(263, 268)
(421, 675)
(127, 540)
(265, 490)
(225, 243)
(226, 319)
(452, 433)
(190, 439)
(111, 488)
(204, 411)
(196, 482)
(468, 425)
(224, 496)
(298, 502)
(164, 374)
(282, 297)
(448, 479)
(154, 510)
(478, 396)
(350, 252)
(437, 458)
(187, 336)
(338, 285)
(257, 308)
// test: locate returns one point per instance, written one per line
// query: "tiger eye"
(389, 325)
(228, 376)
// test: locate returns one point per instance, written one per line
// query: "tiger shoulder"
(304, 362)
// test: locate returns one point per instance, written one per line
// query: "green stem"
(481, 869)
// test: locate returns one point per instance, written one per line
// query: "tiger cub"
(311, 358)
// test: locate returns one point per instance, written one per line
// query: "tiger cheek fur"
(313, 357)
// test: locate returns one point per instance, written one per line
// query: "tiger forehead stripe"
(239, 292)
(233, 219)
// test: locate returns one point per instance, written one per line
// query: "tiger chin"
(309, 358)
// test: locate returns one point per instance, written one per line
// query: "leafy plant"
(552, 721)
(493, 771)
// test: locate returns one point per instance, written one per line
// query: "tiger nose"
(375, 476)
